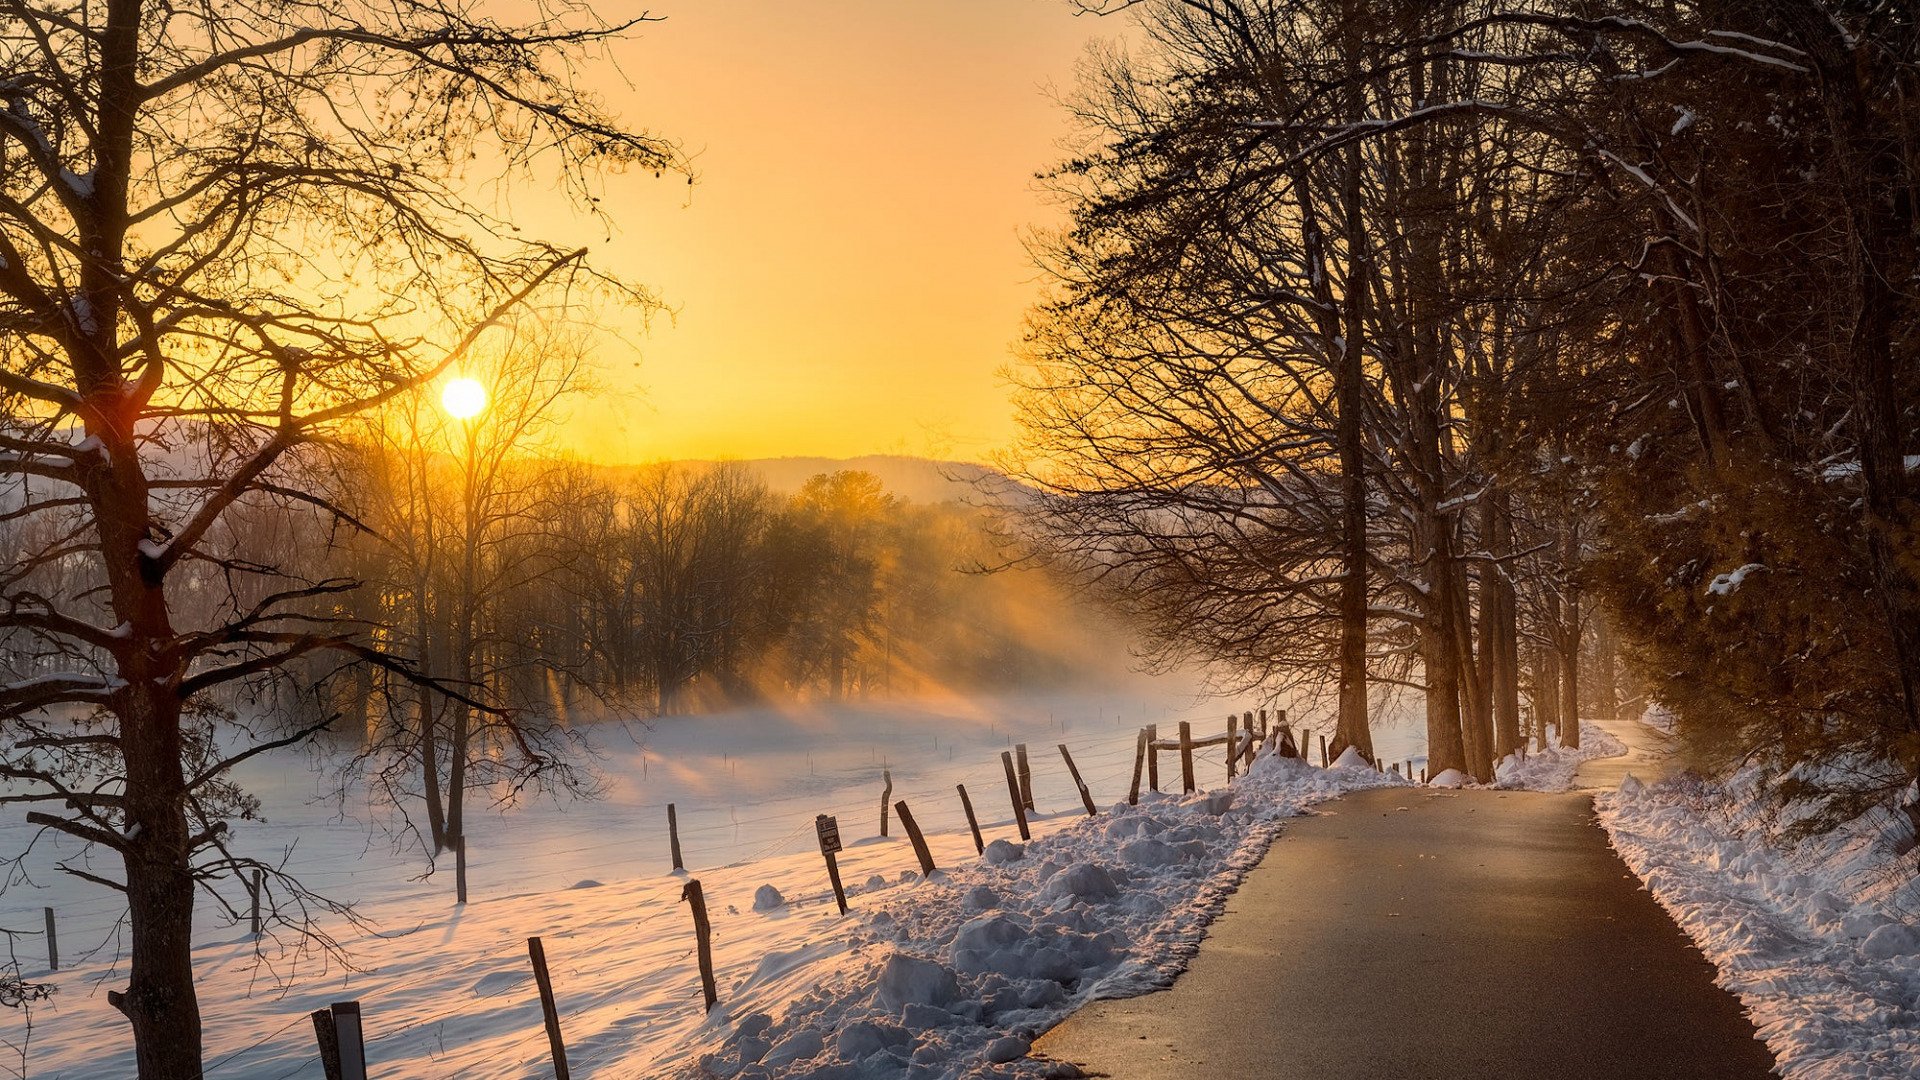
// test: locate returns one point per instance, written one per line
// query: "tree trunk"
(1444, 748)
(1499, 616)
(160, 1001)
(1352, 728)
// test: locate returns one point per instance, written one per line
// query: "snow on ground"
(1817, 939)
(1552, 769)
(953, 977)
(448, 991)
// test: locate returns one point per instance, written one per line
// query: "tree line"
(1533, 356)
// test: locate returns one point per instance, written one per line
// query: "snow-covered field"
(448, 992)
(1818, 939)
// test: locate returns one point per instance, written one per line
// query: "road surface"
(1447, 934)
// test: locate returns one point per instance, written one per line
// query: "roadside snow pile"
(1552, 769)
(1817, 939)
(958, 976)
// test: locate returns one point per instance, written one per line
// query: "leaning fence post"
(673, 837)
(1086, 797)
(973, 823)
(1139, 759)
(1026, 776)
(1186, 757)
(538, 954)
(53, 944)
(1233, 746)
(886, 795)
(913, 834)
(328, 1036)
(703, 937)
(1323, 752)
(1013, 792)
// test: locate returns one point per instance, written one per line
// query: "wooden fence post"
(1013, 792)
(328, 1036)
(703, 938)
(1186, 757)
(537, 953)
(886, 799)
(1153, 757)
(1139, 761)
(973, 823)
(827, 828)
(673, 837)
(352, 1040)
(460, 867)
(1323, 752)
(1233, 746)
(913, 834)
(253, 888)
(53, 944)
(1086, 798)
(1026, 776)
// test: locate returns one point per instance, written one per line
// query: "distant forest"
(552, 587)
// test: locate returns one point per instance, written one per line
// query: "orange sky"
(848, 272)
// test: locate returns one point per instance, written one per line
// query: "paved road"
(1445, 935)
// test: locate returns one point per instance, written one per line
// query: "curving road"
(1429, 934)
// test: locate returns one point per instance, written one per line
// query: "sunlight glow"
(463, 399)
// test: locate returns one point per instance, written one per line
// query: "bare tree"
(225, 232)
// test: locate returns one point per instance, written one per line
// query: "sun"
(463, 399)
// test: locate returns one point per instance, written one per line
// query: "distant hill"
(919, 479)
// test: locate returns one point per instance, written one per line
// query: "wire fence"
(1107, 766)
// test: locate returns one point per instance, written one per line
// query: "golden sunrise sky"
(848, 272)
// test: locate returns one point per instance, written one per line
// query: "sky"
(848, 274)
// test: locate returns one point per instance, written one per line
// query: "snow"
(1552, 769)
(447, 990)
(1817, 938)
(955, 976)
(1448, 778)
(1726, 584)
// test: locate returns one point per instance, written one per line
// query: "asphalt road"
(1450, 935)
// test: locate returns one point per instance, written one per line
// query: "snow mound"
(1552, 769)
(1449, 778)
(1351, 758)
(768, 898)
(1002, 852)
(909, 980)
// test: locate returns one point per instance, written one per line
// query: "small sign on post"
(828, 828)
